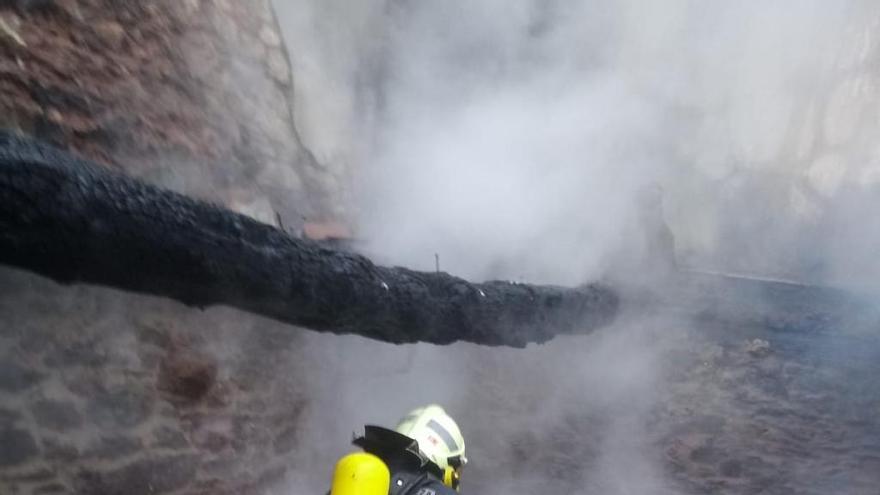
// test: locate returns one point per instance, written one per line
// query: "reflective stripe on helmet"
(444, 434)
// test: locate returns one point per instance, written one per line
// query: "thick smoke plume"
(519, 140)
(545, 120)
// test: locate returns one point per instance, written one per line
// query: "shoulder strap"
(403, 483)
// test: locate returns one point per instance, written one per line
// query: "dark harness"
(409, 468)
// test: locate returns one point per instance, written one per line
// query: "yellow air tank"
(360, 474)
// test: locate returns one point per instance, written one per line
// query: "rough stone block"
(114, 447)
(278, 68)
(212, 441)
(732, 468)
(270, 37)
(59, 450)
(187, 375)
(110, 32)
(15, 378)
(80, 353)
(16, 446)
(143, 477)
(286, 441)
(169, 438)
(50, 489)
(8, 417)
(37, 476)
(56, 415)
(119, 408)
(33, 340)
(154, 334)
(270, 476)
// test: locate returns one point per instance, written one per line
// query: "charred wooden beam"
(74, 221)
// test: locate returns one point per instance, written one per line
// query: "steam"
(544, 120)
(516, 138)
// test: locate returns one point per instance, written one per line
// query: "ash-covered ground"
(652, 405)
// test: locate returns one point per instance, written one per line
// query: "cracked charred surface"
(73, 221)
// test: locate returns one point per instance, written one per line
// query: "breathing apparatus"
(425, 440)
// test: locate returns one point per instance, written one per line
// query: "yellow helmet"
(438, 436)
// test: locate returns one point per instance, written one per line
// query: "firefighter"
(423, 455)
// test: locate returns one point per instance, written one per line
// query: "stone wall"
(109, 393)
(104, 392)
(192, 95)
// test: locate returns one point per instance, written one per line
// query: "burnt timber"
(76, 222)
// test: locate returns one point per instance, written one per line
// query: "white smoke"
(513, 138)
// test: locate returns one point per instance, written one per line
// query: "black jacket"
(411, 473)
(403, 483)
